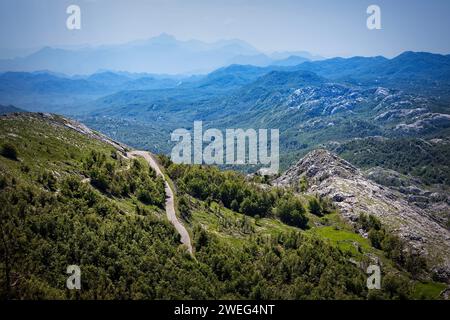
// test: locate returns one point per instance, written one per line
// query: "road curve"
(170, 207)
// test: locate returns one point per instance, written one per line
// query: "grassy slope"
(45, 146)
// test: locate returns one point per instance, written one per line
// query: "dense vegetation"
(393, 246)
(211, 185)
(70, 199)
(135, 256)
(233, 191)
(416, 157)
(122, 255)
(140, 180)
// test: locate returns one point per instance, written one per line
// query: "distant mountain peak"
(164, 37)
(418, 54)
(290, 78)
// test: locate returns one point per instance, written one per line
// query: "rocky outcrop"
(353, 193)
(434, 200)
(81, 128)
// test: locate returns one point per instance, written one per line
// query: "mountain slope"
(70, 196)
(354, 194)
(421, 72)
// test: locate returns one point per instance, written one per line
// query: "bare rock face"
(435, 201)
(354, 194)
(81, 128)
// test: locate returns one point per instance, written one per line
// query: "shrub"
(369, 222)
(291, 211)
(183, 207)
(393, 247)
(48, 180)
(415, 264)
(303, 184)
(234, 205)
(145, 196)
(99, 179)
(396, 286)
(3, 182)
(376, 237)
(314, 207)
(9, 151)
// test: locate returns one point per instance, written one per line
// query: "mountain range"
(163, 54)
(365, 173)
(312, 103)
(309, 107)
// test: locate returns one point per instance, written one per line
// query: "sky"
(325, 27)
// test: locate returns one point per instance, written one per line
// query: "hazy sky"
(326, 27)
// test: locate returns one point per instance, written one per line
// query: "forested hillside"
(71, 196)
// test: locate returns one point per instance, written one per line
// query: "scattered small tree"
(200, 237)
(183, 207)
(314, 207)
(234, 205)
(303, 184)
(9, 151)
(376, 238)
(291, 211)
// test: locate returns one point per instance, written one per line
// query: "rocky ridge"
(354, 194)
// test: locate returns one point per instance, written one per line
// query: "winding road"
(170, 207)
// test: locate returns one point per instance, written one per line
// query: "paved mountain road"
(170, 207)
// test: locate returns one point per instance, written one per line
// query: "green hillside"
(71, 198)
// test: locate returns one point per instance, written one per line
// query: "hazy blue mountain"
(282, 55)
(232, 76)
(249, 85)
(11, 53)
(109, 78)
(343, 68)
(421, 65)
(162, 54)
(422, 72)
(12, 82)
(276, 79)
(290, 61)
(149, 83)
(9, 109)
(418, 66)
(260, 60)
(411, 71)
(52, 92)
